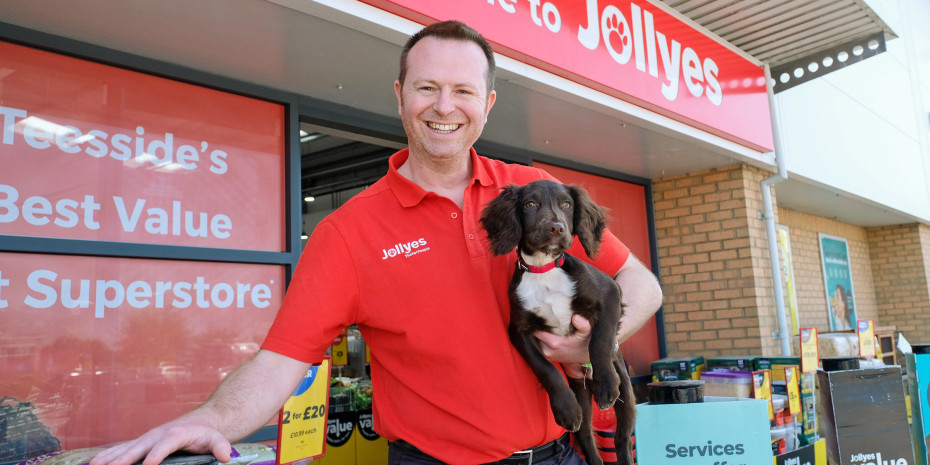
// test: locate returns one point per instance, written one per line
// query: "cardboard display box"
(863, 417)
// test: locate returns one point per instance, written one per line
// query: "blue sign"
(715, 432)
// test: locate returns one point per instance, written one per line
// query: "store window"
(132, 210)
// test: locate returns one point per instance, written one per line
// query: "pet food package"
(808, 416)
(734, 363)
(918, 384)
(778, 365)
(725, 383)
(863, 416)
(677, 368)
(717, 430)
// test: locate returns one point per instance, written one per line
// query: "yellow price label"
(302, 420)
(762, 388)
(341, 349)
(792, 378)
(810, 353)
(866, 330)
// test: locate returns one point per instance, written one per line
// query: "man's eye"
(566, 204)
(529, 204)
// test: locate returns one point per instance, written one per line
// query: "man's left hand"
(571, 351)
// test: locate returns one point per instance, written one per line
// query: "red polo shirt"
(415, 273)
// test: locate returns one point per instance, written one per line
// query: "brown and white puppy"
(548, 287)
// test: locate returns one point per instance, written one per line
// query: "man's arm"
(642, 297)
(246, 399)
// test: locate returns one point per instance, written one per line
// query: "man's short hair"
(450, 30)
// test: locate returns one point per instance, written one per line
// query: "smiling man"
(407, 261)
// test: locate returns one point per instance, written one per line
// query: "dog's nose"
(556, 229)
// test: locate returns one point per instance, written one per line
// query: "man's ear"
(492, 97)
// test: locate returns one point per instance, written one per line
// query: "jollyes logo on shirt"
(405, 249)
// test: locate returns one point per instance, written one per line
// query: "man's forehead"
(447, 55)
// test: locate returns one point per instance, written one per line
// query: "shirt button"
(455, 215)
(471, 236)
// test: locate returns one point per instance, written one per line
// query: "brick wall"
(811, 297)
(900, 256)
(714, 258)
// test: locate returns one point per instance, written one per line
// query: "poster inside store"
(837, 276)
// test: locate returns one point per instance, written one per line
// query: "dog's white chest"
(549, 295)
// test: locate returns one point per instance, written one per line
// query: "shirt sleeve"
(321, 299)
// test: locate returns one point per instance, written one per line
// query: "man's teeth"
(443, 127)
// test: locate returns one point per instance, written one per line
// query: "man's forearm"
(250, 395)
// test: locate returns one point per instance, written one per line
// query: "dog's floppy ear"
(500, 219)
(589, 220)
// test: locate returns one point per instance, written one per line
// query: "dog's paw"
(567, 412)
(606, 393)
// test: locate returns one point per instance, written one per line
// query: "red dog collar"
(557, 263)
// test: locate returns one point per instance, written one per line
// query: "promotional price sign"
(762, 389)
(792, 386)
(810, 352)
(302, 421)
(866, 330)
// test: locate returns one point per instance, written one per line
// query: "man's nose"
(444, 103)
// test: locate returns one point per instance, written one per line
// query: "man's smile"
(443, 128)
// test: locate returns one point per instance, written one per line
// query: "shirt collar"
(410, 194)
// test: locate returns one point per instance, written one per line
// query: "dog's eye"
(529, 204)
(566, 205)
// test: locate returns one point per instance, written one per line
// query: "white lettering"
(671, 63)
(590, 35)
(714, 92)
(9, 122)
(639, 39)
(3, 283)
(108, 294)
(36, 209)
(692, 72)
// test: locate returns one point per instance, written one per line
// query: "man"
(407, 261)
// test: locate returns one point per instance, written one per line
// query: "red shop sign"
(95, 152)
(636, 51)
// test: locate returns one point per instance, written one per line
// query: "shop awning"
(781, 31)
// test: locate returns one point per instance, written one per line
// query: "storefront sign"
(106, 348)
(96, 152)
(837, 277)
(302, 421)
(634, 50)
